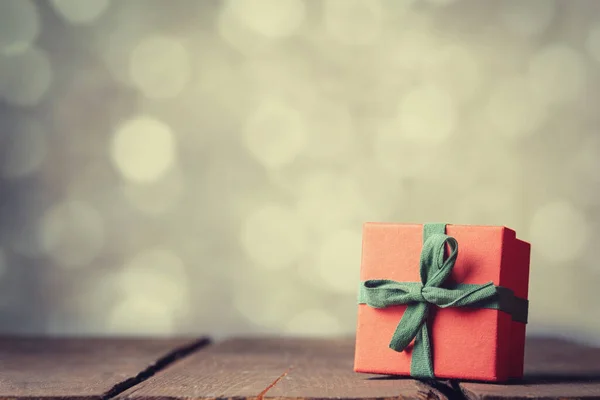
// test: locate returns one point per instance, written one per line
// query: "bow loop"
(435, 268)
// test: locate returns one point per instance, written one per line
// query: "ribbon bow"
(435, 268)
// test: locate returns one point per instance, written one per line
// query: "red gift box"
(467, 343)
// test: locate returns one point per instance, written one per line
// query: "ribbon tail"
(421, 364)
(409, 326)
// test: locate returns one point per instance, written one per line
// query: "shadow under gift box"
(467, 343)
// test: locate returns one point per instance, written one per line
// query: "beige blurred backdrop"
(172, 167)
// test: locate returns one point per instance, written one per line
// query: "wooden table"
(260, 368)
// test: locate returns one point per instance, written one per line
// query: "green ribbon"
(435, 268)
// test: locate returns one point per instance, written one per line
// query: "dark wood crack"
(160, 364)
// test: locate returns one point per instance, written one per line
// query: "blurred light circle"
(160, 67)
(557, 74)
(273, 236)
(327, 200)
(157, 197)
(315, 323)
(275, 133)
(592, 43)
(119, 34)
(221, 79)
(265, 311)
(353, 22)
(270, 18)
(330, 129)
(26, 77)
(559, 232)
(527, 18)
(143, 149)
(338, 261)
(512, 109)
(71, 233)
(141, 314)
(19, 26)
(158, 271)
(427, 115)
(25, 148)
(238, 35)
(94, 296)
(396, 155)
(80, 11)
(455, 69)
(415, 48)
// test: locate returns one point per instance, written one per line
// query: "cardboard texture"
(473, 344)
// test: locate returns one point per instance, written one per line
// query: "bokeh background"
(178, 166)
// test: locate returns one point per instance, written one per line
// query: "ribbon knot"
(434, 269)
(421, 297)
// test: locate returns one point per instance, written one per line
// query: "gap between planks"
(163, 362)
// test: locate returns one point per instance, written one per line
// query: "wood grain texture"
(554, 369)
(261, 369)
(274, 369)
(82, 368)
(323, 369)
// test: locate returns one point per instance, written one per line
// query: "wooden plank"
(554, 369)
(82, 368)
(234, 369)
(323, 369)
(275, 369)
